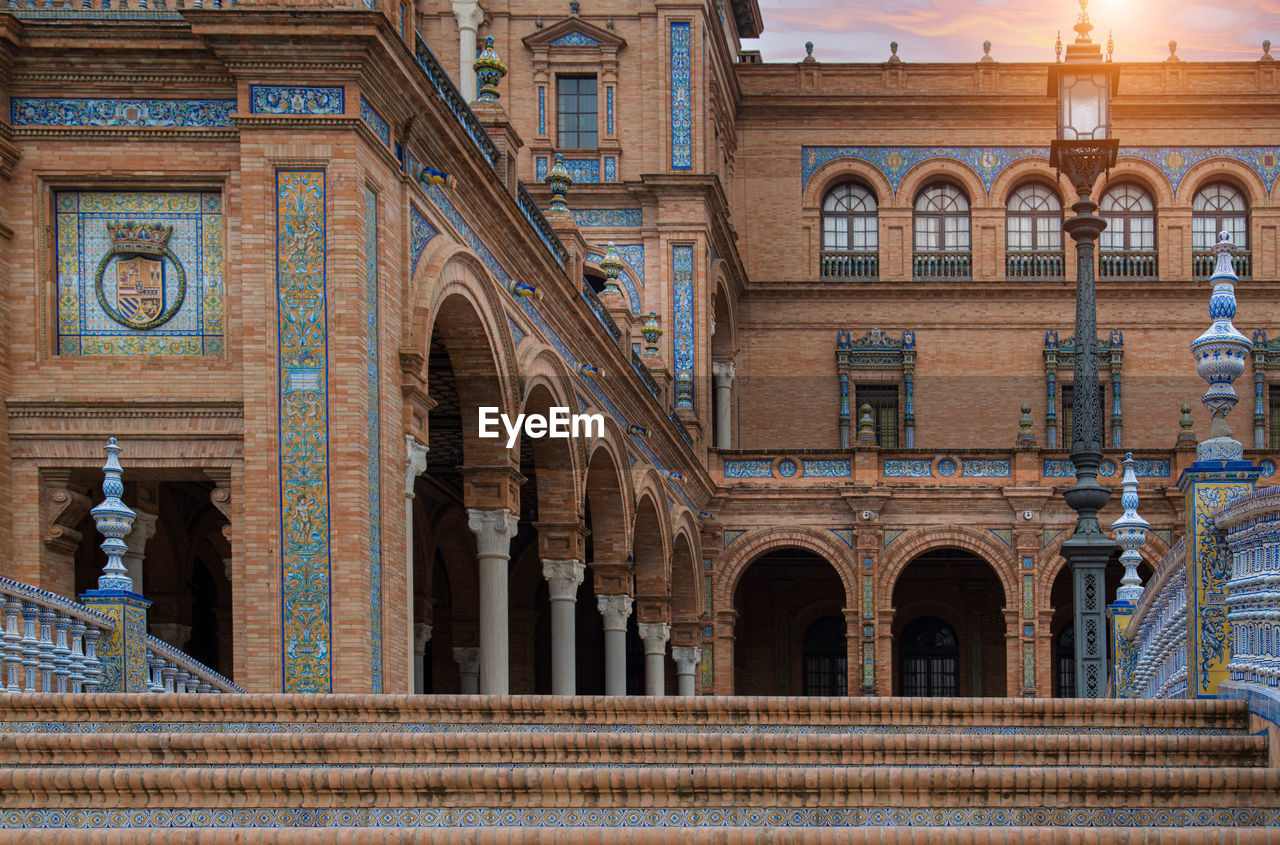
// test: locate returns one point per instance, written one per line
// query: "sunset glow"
(1019, 30)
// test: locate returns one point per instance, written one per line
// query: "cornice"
(96, 80)
(19, 409)
(131, 133)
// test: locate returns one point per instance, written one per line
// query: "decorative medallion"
(946, 467)
(787, 468)
(139, 253)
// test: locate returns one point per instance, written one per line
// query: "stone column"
(415, 465)
(470, 16)
(144, 528)
(421, 636)
(655, 636)
(724, 374)
(494, 530)
(686, 658)
(615, 610)
(563, 579)
(468, 660)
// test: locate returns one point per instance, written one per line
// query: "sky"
(1019, 30)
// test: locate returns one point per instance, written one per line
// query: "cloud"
(1020, 30)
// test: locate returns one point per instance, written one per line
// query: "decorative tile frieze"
(787, 468)
(374, 121)
(574, 39)
(1152, 469)
(373, 393)
(984, 468)
(53, 111)
(748, 469)
(420, 234)
(140, 272)
(292, 99)
(608, 217)
(517, 334)
(682, 339)
(989, 162)
(681, 96)
(304, 430)
(583, 170)
(610, 169)
(909, 468)
(1059, 468)
(825, 468)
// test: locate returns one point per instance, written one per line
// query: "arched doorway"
(790, 625)
(949, 628)
(929, 658)
(826, 657)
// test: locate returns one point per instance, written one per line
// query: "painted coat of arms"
(139, 251)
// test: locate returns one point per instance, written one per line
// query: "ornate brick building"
(286, 253)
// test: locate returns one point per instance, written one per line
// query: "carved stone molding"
(61, 510)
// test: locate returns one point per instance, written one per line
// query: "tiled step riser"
(888, 714)
(638, 788)
(576, 749)
(659, 836)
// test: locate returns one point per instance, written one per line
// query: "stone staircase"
(121, 768)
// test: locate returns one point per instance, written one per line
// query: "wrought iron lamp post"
(1083, 150)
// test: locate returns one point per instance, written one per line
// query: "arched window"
(1064, 659)
(850, 237)
(825, 658)
(1219, 207)
(929, 658)
(1034, 233)
(1128, 246)
(942, 233)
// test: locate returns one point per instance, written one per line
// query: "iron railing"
(850, 265)
(942, 265)
(1020, 264)
(1127, 265)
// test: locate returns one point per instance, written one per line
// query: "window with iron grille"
(929, 658)
(1064, 658)
(1068, 414)
(825, 657)
(577, 112)
(883, 399)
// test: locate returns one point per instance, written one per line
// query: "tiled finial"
(808, 52)
(986, 52)
(1131, 533)
(1026, 437)
(1186, 430)
(866, 428)
(574, 6)
(1111, 45)
(559, 180)
(612, 266)
(1057, 47)
(893, 50)
(1220, 358)
(1173, 52)
(652, 331)
(1266, 51)
(489, 72)
(114, 520)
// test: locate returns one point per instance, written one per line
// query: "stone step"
(35, 712)
(1245, 796)
(659, 836)
(636, 748)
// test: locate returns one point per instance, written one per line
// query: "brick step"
(660, 836)
(36, 712)
(634, 748)
(686, 789)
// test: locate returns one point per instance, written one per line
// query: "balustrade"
(850, 265)
(49, 643)
(1034, 265)
(1127, 265)
(1203, 261)
(944, 266)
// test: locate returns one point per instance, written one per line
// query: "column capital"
(416, 464)
(421, 634)
(493, 529)
(468, 13)
(724, 372)
(468, 659)
(655, 636)
(615, 610)
(563, 578)
(686, 658)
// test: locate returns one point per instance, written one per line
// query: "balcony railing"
(1203, 262)
(850, 265)
(540, 225)
(640, 369)
(1034, 265)
(942, 265)
(602, 313)
(1127, 265)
